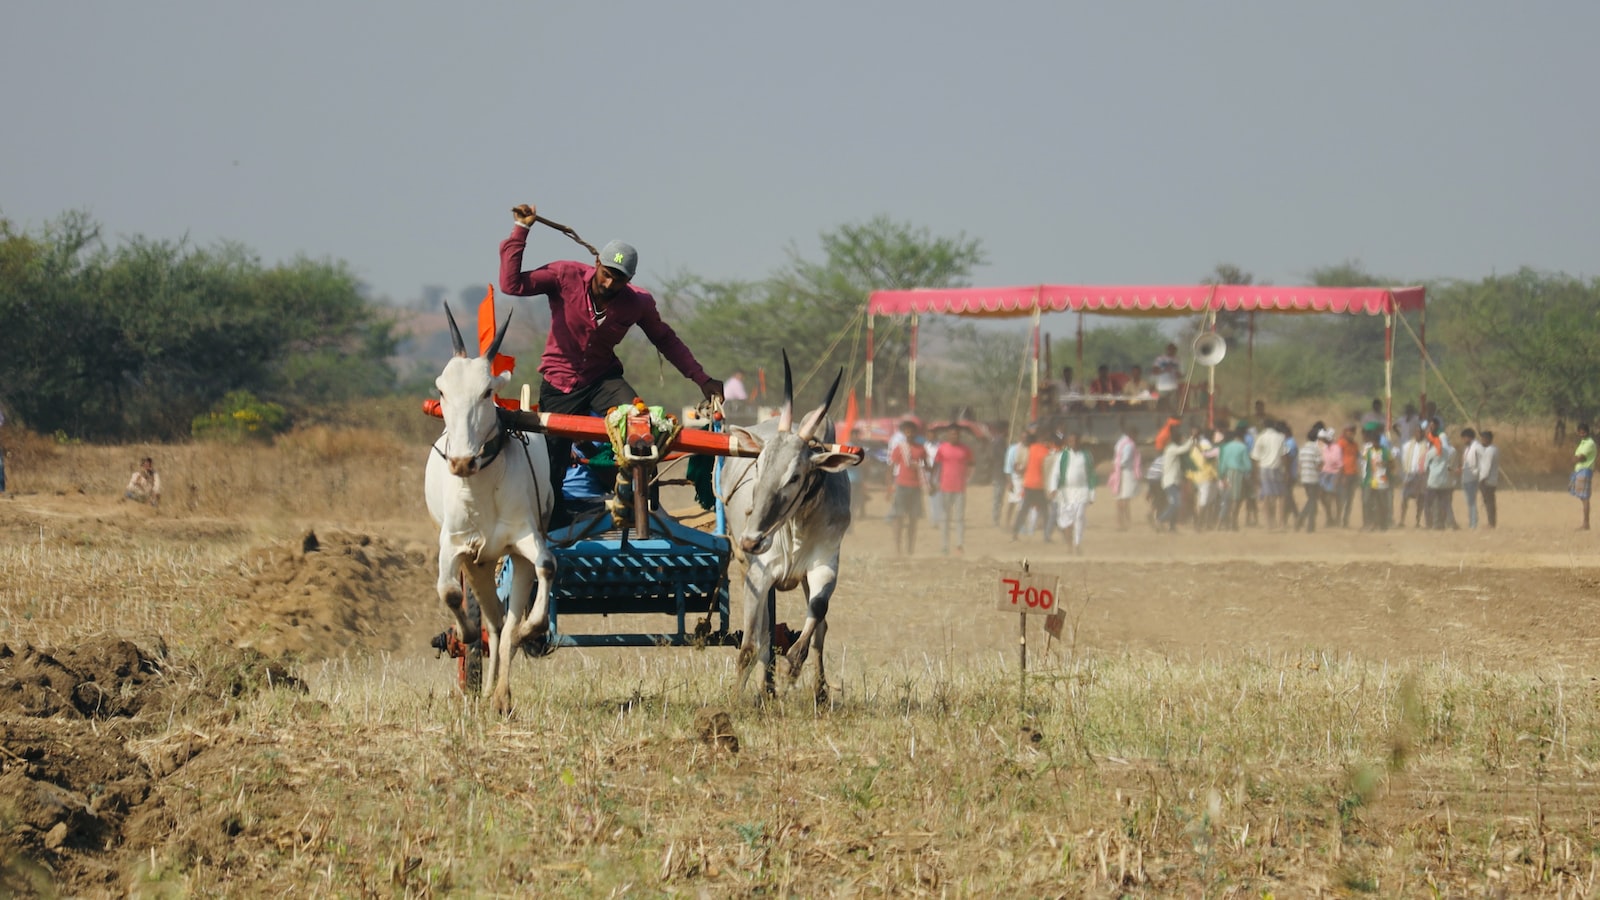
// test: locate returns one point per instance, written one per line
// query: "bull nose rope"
(807, 494)
(488, 451)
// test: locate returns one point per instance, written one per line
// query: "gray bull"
(788, 509)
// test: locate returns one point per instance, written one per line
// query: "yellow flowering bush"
(240, 417)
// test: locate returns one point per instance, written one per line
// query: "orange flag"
(850, 414)
(486, 326)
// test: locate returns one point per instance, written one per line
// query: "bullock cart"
(631, 558)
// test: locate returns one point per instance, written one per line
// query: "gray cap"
(620, 257)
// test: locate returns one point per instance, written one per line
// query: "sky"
(1084, 143)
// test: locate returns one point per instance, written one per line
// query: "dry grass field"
(194, 703)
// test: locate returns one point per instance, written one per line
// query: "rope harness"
(807, 494)
(491, 451)
(487, 453)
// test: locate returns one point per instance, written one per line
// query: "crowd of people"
(1133, 388)
(1144, 392)
(1262, 474)
(1259, 472)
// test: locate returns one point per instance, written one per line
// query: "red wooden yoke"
(593, 428)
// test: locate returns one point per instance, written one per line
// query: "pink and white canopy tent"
(1147, 300)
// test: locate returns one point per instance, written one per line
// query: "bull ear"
(809, 423)
(746, 441)
(830, 459)
(500, 335)
(455, 333)
(786, 412)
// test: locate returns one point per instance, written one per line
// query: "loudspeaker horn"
(1210, 348)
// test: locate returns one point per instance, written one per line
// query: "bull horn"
(786, 412)
(455, 333)
(499, 336)
(812, 420)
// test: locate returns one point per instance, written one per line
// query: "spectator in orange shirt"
(1034, 497)
(1348, 482)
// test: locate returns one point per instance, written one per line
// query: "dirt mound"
(328, 594)
(96, 681)
(82, 783)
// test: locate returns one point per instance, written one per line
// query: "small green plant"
(240, 417)
(752, 833)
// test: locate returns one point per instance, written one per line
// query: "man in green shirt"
(1583, 471)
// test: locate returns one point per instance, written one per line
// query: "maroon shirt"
(580, 350)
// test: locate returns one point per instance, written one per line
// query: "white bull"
(788, 510)
(489, 491)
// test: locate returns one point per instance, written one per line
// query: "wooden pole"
(1250, 367)
(870, 318)
(1079, 372)
(911, 370)
(1022, 651)
(1422, 341)
(1388, 369)
(1033, 404)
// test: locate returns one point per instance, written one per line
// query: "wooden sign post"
(1026, 594)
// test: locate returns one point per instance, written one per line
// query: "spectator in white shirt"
(1469, 461)
(1488, 474)
(1166, 372)
(1069, 393)
(1414, 484)
(1267, 454)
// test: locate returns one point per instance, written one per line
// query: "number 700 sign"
(1028, 594)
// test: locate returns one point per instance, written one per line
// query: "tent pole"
(1422, 339)
(1079, 371)
(911, 370)
(1211, 386)
(870, 318)
(1211, 398)
(1033, 403)
(1388, 369)
(1250, 366)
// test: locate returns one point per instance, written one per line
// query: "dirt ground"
(82, 775)
(1521, 594)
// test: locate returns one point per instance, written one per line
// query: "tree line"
(136, 340)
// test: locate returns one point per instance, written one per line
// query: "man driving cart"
(591, 310)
